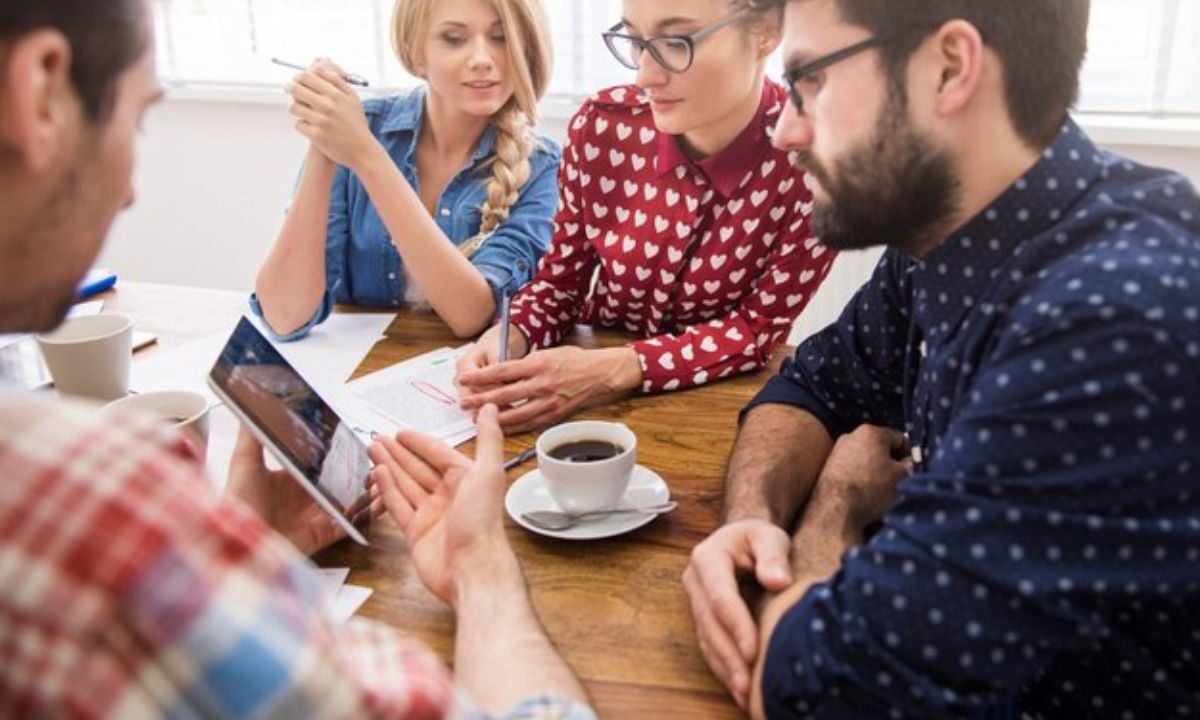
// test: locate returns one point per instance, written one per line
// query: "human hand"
(862, 475)
(329, 113)
(725, 626)
(447, 504)
(280, 501)
(485, 352)
(551, 384)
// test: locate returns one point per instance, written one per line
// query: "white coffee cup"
(580, 487)
(185, 411)
(89, 356)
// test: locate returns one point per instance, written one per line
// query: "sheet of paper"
(349, 600)
(418, 394)
(324, 358)
(328, 355)
(183, 368)
(330, 582)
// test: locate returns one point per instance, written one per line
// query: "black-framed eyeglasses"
(675, 53)
(803, 80)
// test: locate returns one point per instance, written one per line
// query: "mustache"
(805, 162)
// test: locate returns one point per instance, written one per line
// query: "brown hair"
(1041, 43)
(107, 37)
(527, 34)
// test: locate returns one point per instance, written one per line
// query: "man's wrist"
(486, 576)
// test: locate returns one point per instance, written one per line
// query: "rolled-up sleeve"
(510, 256)
(1057, 497)
(337, 241)
(852, 371)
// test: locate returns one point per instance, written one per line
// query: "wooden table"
(615, 608)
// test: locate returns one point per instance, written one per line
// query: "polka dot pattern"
(1044, 557)
(711, 271)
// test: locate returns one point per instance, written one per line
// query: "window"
(1145, 54)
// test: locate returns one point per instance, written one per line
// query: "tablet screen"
(296, 420)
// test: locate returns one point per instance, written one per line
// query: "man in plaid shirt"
(126, 588)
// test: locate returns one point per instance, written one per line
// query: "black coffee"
(585, 451)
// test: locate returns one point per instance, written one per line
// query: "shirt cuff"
(789, 680)
(499, 281)
(544, 707)
(319, 317)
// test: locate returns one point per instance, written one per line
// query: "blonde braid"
(510, 171)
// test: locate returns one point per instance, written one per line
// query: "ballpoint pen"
(348, 77)
(505, 313)
(521, 459)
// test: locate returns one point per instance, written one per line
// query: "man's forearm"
(825, 534)
(502, 654)
(775, 463)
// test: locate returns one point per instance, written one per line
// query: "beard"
(46, 269)
(897, 189)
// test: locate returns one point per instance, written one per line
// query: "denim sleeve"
(510, 256)
(337, 240)
(852, 371)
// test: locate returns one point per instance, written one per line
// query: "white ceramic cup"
(185, 411)
(580, 487)
(89, 356)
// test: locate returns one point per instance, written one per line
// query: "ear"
(39, 106)
(959, 54)
(767, 42)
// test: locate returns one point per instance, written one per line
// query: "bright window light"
(1144, 57)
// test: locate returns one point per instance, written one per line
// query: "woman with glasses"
(678, 222)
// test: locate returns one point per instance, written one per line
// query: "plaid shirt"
(127, 589)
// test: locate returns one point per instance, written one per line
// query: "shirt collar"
(726, 169)
(951, 280)
(407, 114)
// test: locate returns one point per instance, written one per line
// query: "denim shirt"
(362, 265)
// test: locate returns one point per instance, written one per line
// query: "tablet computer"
(308, 437)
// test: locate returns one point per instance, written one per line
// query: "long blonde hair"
(527, 38)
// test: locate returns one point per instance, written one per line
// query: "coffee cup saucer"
(529, 494)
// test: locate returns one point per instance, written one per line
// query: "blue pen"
(505, 312)
(349, 77)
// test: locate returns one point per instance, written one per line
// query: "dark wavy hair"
(106, 37)
(1041, 43)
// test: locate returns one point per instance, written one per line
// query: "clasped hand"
(856, 487)
(330, 115)
(546, 386)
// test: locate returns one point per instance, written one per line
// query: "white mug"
(580, 487)
(185, 411)
(90, 356)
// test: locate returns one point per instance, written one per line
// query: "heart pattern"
(713, 281)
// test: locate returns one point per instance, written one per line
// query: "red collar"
(725, 169)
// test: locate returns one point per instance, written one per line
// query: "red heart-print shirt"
(710, 261)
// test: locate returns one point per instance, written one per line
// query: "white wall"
(214, 176)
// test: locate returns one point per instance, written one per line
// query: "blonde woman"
(443, 196)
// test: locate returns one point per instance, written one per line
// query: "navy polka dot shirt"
(1044, 557)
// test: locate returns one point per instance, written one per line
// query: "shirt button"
(922, 348)
(445, 212)
(391, 276)
(918, 455)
